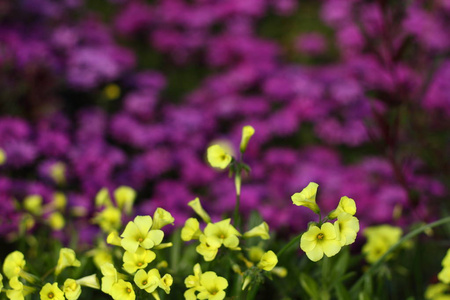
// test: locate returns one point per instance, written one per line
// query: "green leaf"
(341, 292)
(309, 285)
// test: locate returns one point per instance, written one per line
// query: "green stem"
(237, 182)
(252, 293)
(410, 235)
(293, 241)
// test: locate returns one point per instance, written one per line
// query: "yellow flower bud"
(72, 290)
(58, 172)
(218, 157)
(66, 259)
(13, 264)
(191, 230)
(59, 201)
(268, 261)
(161, 218)
(2, 156)
(307, 197)
(262, 230)
(102, 198)
(197, 207)
(33, 204)
(89, 281)
(247, 133)
(114, 239)
(56, 221)
(111, 91)
(125, 196)
(346, 205)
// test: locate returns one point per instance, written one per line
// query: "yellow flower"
(122, 290)
(102, 198)
(166, 282)
(212, 286)
(218, 157)
(109, 219)
(307, 197)
(444, 275)
(197, 207)
(1, 282)
(101, 257)
(437, 292)
(208, 247)
(280, 271)
(33, 204)
(125, 196)
(110, 277)
(56, 221)
(225, 233)
(18, 291)
(138, 233)
(147, 281)
(13, 264)
(319, 241)
(58, 172)
(66, 259)
(51, 292)
(446, 260)
(379, 240)
(137, 260)
(191, 230)
(193, 281)
(348, 227)
(346, 205)
(2, 156)
(111, 91)
(89, 281)
(72, 290)
(59, 201)
(268, 261)
(113, 238)
(247, 133)
(254, 254)
(161, 218)
(262, 230)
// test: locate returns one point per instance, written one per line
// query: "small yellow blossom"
(191, 230)
(208, 247)
(109, 219)
(161, 218)
(139, 233)
(2, 156)
(51, 292)
(1, 282)
(137, 260)
(165, 283)
(89, 281)
(268, 261)
(163, 246)
(307, 197)
(319, 241)
(58, 172)
(125, 197)
(13, 264)
(147, 281)
(346, 205)
(224, 232)
(262, 230)
(101, 257)
(193, 281)
(102, 198)
(197, 207)
(122, 290)
(110, 277)
(446, 260)
(348, 227)
(218, 157)
(59, 201)
(18, 291)
(437, 292)
(379, 240)
(111, 91)
(247, 133)
(255, 253)
(280, 271)
(56, 221)
(72, 290)
(212, 286)
(113, 238)
(444, 275)
(66, 259)
(33, 204)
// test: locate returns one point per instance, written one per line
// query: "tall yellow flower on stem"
(198, 208)
(307, 197)
(319, 241)
(218, 157)
(138, 233)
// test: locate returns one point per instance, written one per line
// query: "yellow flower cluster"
(326, 238)
(208, 285)
(379, 240)
(138, 240)
(13, 268)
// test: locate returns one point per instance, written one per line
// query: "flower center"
(140, 240)
(139, 264)
(320, 236)
(144, 282)
(128, 290)
(51, 295)
(222, 236)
